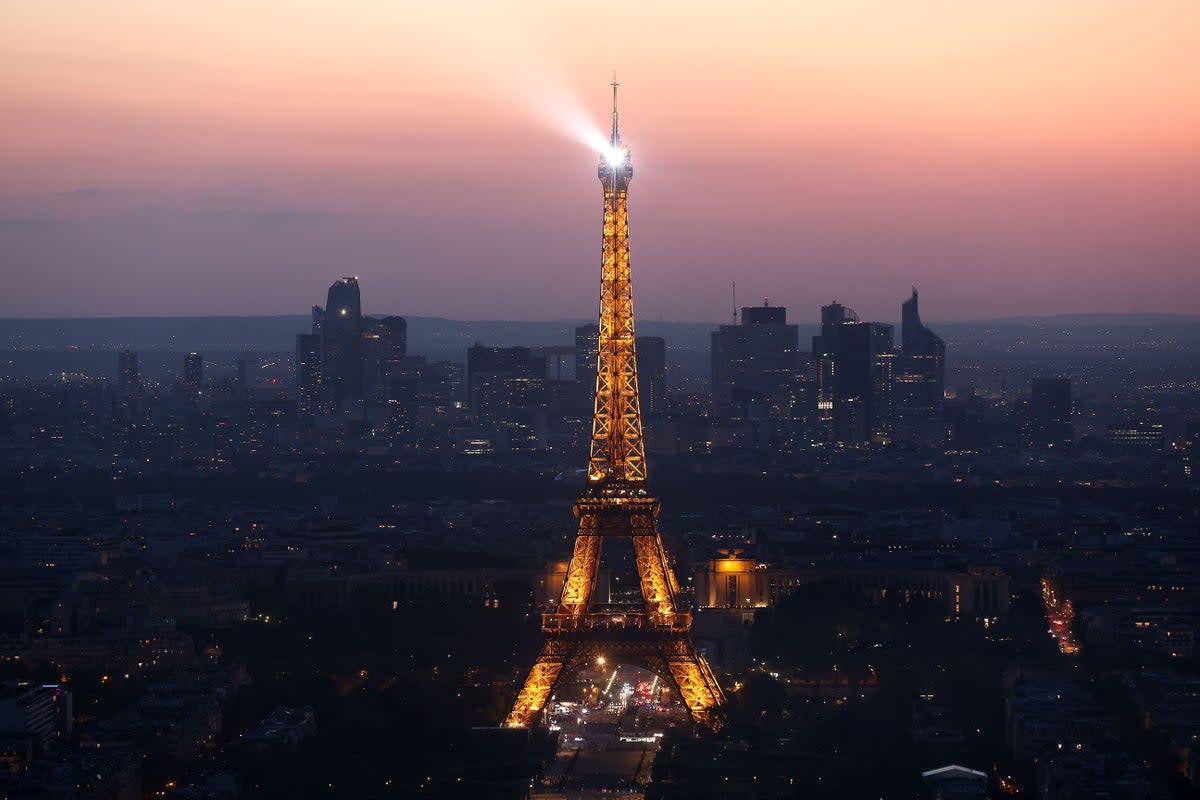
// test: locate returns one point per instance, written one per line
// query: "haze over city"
(562, 401)
(212, 158)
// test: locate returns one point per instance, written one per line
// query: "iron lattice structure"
(616, 502)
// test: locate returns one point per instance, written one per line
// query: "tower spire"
(616, 136)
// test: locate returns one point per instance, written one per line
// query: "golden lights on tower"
(654, 634)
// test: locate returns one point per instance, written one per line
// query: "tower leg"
(539, 684)
(654, 572)
(582, 571)
(698, 687)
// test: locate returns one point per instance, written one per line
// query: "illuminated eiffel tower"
(616, 502)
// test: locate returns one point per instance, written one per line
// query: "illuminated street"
(609, 724)
(1060, 613)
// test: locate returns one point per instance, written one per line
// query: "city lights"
(258, 540)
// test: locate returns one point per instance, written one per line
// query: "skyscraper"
(308, 373)
(348, 358)
(882, 406)
(920, 379)
(247, 373)
(861, 395)
(385, 350)
(1050, 413)
(343, 308)
(193, 372)
(855, 370)
(374, 350)
(824, 357)
(754, 363)
(652, 373)
(341, 345)
(397, 328)
(587, 346)
(506, 388)
(128, 380)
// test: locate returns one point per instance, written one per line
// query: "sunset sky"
(232, 157)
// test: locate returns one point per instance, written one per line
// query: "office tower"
(445, 383)
(855, 368)
(247, 369)
(654, 633)
(341, 345)
(193, 372)
(386, 355)
(308, 372)
(506, 389)
(754, 363)
(128, 380)
(1050, 413)
(823, 366)
(920, 379)
(852, 382)
(343, 308)
(397, 335)
(652, 373)
(587, 346)
(882, 406)
(375, 351)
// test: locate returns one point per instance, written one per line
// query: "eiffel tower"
(616, 502)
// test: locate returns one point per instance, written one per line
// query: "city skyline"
(167, 157)
(937, 539)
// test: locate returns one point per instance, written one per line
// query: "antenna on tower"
(733, 292)
(615, 134)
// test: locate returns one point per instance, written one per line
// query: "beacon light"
(615, 156)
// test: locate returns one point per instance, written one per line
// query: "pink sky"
(223, 157)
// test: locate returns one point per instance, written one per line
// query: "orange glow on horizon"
(1053, 141)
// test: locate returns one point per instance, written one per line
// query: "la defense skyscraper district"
(616, 502)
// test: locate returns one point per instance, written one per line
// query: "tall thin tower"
(616, 502)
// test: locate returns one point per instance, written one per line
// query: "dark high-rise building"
(855, 365)
(833, 316)
(341, 345)
(652, 373)
(354, 356)
(860, 389)
(881, 410)
(375, 350)
(587, 351)
(128, 380)
(247, 369)
(754, 364)
(506, 389)
(920, 379)
(397, 331)
(343, 308)
(1050, 413)
(308, 372)
(384, 349)
(193, 372)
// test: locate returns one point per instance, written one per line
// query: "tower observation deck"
(616, 502)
